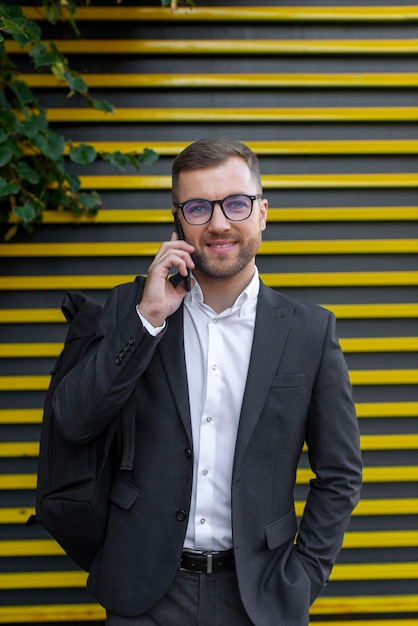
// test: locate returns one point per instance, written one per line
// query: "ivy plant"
(34, 159)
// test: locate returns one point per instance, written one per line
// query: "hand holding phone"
(180, 234)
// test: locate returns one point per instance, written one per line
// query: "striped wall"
(327, 96)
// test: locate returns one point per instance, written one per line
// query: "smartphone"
(180, 235)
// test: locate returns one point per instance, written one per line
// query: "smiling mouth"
(221, 246)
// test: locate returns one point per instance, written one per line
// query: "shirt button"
(213, 367)
(202, 521)
(205, 472)
(215, 320)
(208, 419)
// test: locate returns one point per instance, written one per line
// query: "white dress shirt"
(217, 349)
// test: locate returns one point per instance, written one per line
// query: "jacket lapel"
(171, 349)
(272, 325)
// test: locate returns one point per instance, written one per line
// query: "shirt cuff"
(149, 327)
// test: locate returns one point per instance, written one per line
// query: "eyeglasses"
(235, 208)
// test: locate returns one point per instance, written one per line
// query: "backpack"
(74, 480)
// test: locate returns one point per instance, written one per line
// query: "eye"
(236, 203)
(197, 207)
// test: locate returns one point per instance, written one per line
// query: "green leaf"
(7, 188)
(117, 159)
(58, 69)
(32, 126)
(90, 202)
(26, 213)
(8, 151)
(149, 157)
(50, 144)
(41, 56)
(73, 182)
(3, 136)
(75, 82)
(102, 105)
(83, 154)
(22, 92)
(27, 173)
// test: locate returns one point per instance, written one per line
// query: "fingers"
(160, 298)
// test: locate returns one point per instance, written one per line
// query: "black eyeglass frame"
(220, 202)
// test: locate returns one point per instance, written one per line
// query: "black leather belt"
(206, 562)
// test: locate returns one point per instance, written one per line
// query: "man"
(230, 378)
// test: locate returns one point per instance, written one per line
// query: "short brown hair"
(211, 152)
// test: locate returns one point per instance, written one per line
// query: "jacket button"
(188, 453)
(181, 515)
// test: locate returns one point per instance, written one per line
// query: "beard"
(223, 267)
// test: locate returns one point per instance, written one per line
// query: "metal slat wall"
(327, 97)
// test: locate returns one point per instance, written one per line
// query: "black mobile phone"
(180, 234)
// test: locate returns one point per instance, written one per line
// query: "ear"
(263, 213)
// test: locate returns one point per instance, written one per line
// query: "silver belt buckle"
(209, 564)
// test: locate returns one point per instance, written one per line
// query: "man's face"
(223, 248)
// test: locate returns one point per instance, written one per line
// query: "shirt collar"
(245, 298)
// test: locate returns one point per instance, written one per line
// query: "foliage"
(34, 159)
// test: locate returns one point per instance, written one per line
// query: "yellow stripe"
(375, 571)
(150, 248)
(361, 80)
(389, 474)
(235, 115)
(381, 539)
(15, 515)
(387, 506)
(27, 350)
(31, 316)
(77, 579)
(335, 279)
(372, 344)
(19, 449)
(28, 547)
(252, 14)
(341, 311)
(24, 383)
(289, 181)
(368, 539)
(92, 612)
(384, 377)
(20, 416)
(228, 46)
(408, 441)
(387, 409)
(365, 604)
(42, 580)
(377, 146)
(293, 279)
(44, 613)
(364, 410)
(368, 442)
(165, 216)
(379, 344)
(374, 311)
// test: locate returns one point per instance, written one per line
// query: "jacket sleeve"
(94, 391)
(332, 438)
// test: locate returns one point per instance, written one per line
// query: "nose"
(219, 222)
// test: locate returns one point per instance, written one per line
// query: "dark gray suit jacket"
(297, 390)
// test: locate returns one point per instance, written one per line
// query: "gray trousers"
(194, 600)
